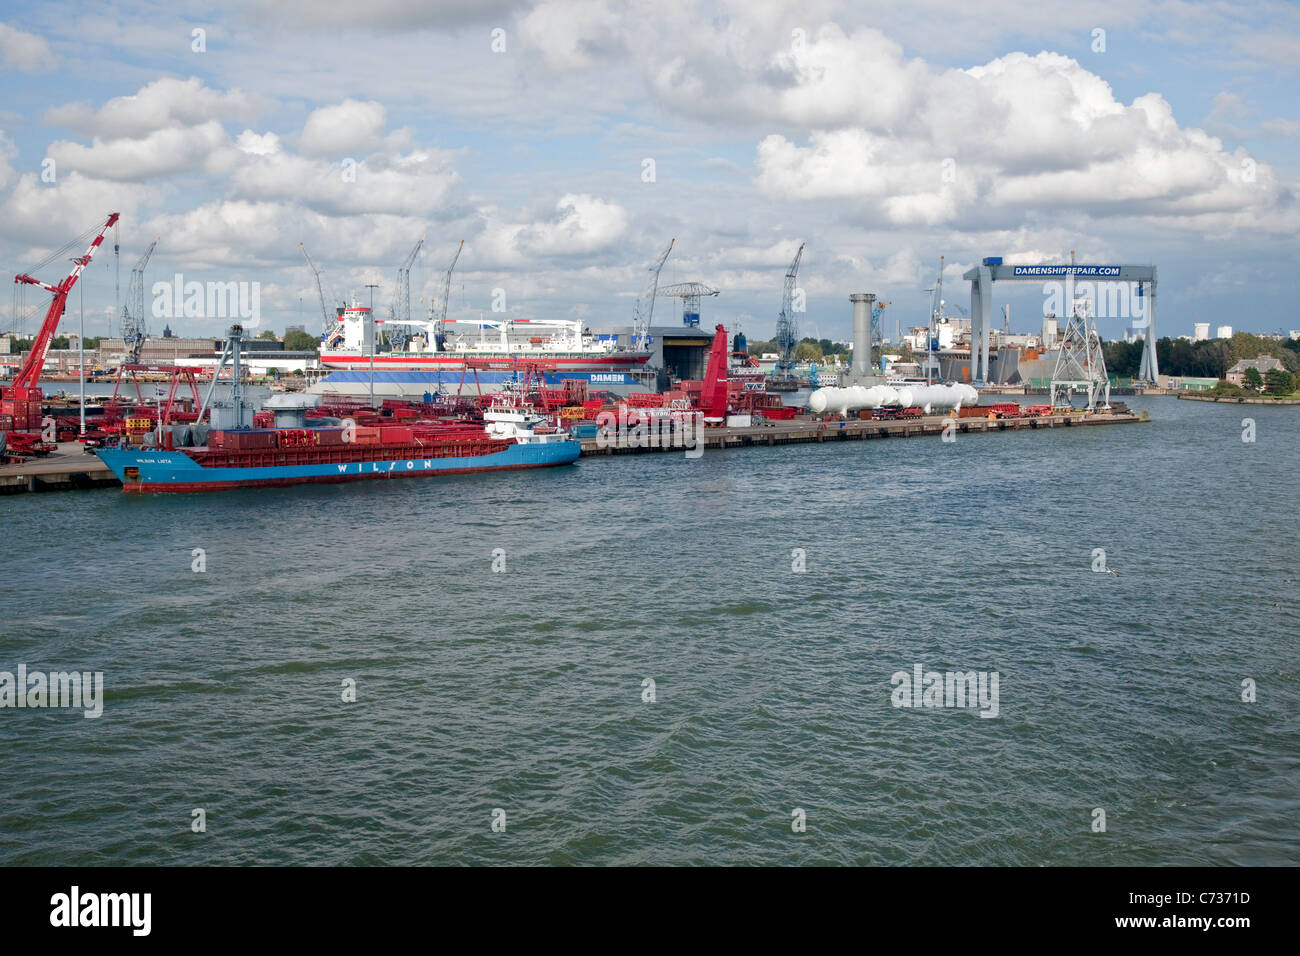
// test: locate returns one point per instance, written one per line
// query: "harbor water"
(652, 659)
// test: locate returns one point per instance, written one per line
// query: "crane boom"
(936, 313)
(24, 383)
(786, 328)
(876, 312)
(641, 323)
(329, 321)
(438, 307)
(134, 328)
(400, 311)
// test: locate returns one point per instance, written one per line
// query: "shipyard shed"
(678, 350)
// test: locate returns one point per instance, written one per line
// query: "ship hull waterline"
(157, 471)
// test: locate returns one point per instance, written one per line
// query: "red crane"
(23, 398)
(713, 398)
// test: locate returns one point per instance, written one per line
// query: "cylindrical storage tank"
(862, 332)
(841, 401)
(819, 400)
(944, 396)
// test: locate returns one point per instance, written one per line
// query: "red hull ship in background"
(445, 350)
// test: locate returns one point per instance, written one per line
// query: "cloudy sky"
(567, 142)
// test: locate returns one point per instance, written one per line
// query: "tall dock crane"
(787, 332)
(438, 307)
(134, 327)
(878, 333)
(641, 322)
(936, 315)
(23, 398)
(401, 310)
(330, 322)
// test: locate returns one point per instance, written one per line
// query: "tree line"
(1208, 359)
(808, 349)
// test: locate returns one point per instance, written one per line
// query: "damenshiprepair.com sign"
(1050, 271)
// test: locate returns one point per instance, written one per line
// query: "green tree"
(266, 335)
(1253, 378)
(1278, 382)
(296, 341)
(1123, 358)
(808, 351)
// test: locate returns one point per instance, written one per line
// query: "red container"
(296, 437)
(396, 435)
(238, 440)
(329, 436)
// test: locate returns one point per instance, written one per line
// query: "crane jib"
(30, 373)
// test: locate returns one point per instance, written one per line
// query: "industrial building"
(680, 350)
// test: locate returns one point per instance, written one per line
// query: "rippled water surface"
(523, 690)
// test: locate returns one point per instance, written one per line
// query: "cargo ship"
(492, 351)
(229, 454)
(270, 457)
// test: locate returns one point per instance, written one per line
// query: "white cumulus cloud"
(582, 224)
(163, 104)
(348, 127)
(24, 52)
